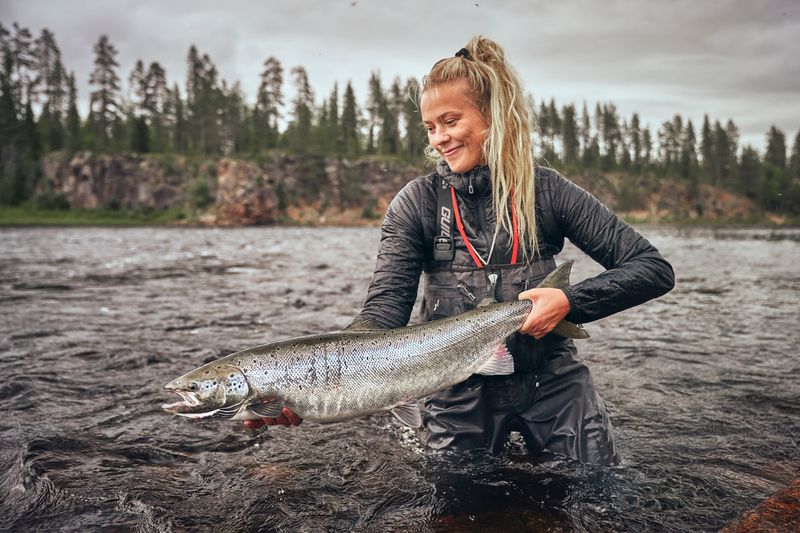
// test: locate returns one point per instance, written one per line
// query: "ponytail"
(498, 93)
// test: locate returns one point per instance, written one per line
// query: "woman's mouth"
(450, 151)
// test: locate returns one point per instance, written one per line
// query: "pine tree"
(268, 104)
(155, 101)
(299, 130)
(751, 173)
(104, 99)
(731, 164)
(232, 133)
(72, 139)
(139, 129)
(647, 148)
(175, 118)
(24, 74)
(545, 130)
(203, 106)
(137, 87)
(688, 161)
(625, 146)
(415, 133)
(794, 160)
(776, 148)
(334, 126)
(9, 126)
(586, 132)
(53, 80)
(350, 141)
(707, 152)
(569, 134)
(636, 143)
(610, 134)
(390, 120)
(793, 177)
(375, 103)
(776, 179)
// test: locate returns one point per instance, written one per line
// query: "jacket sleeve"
(393, 290)
(635, 270)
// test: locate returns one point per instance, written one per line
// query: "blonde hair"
(497, 91)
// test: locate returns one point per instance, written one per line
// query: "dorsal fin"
(570, 330)
(558, 278)
(487, 301)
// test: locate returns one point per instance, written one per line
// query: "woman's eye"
(450, 122)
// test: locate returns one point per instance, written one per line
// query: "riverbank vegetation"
(209, 118)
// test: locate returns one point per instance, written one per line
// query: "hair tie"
(463, 53)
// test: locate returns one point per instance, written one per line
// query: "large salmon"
(336, 376)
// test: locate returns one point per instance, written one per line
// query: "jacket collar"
(478, 178)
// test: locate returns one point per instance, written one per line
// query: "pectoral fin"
(408, 413)
(501, 363)
(268, 409)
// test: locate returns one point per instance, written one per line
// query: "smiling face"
(456, 128)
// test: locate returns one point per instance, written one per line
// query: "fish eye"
(193, 386)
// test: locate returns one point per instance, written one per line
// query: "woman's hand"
(550, 306)
(288, 418)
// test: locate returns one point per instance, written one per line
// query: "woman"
(511, 218)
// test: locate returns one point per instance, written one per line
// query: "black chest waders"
(550, 399)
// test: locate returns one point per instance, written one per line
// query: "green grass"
(27, 215)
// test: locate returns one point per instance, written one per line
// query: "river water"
(703, 386)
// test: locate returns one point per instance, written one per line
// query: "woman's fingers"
(550, 306)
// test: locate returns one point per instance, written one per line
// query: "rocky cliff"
(310, 189)
(320, 190)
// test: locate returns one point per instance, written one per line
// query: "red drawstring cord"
(469, 244)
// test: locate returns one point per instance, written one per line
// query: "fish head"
(213, 390)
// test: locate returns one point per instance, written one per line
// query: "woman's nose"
(440, 138)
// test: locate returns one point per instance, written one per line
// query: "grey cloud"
(735, 59)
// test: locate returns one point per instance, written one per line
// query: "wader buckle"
(443, 249)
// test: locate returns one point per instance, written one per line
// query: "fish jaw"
(215, 390)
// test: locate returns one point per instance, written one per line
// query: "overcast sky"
(730, 59)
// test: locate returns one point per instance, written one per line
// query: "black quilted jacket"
(635, 270)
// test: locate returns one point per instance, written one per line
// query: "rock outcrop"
(313, 189)
(308, 189)
(90, 181)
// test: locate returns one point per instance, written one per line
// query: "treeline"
(211, 117)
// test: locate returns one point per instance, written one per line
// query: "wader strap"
(443, 248)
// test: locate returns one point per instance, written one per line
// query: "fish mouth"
(186, 404)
